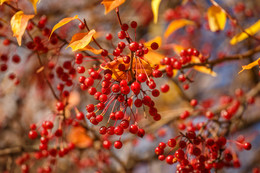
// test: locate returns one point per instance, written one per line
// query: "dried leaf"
(19, 23)
(155, 8)
(252, 30)
(34, 3)
(91, 49)
(177, 24)
(111, 4)
(78, 136)
(158, 40)
(216, 18)
(81, 40)
(63, 22)
(251, 65)
(139, 66)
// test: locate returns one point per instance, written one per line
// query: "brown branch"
(244, 55)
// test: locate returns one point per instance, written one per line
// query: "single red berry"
(133, 46)
(33, 134)
(118, 144)
(109, 36)
(154, 46)
(140, 133)
(106, 144)
(165, 88)
(247, 146)
(169, 159)
(133, 129)
(133, 24)
(171, 142)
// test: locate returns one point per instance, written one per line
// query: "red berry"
(133, 46)
(247, 146)
(33, 134)
(165, 88)
(106, 144)
(109, 36)
(133, 129)
(171, 142)
(133, 24)
(154, 46)
(118, 144)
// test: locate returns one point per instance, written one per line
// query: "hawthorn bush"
(129, 86)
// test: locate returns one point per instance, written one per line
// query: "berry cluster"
(126, 83)
(195, 153)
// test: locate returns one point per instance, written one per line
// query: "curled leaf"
(78, 136)
(249, 66)
(177, 24)
(34, 3)
(63, 22)
(252, 30)
(111, 4)
(19, 23)
(91, 49)
(139, 66)
(155, 8)
(81, 40)
(216, 18)
(202, 69)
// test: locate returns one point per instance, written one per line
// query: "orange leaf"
(111, 4)
(91, 49)
(81, 40)
(177, 24)
(19, 23)
(158, 40)
(139, 66)
(202, 69)
(63, 22)
(78, 136)
(2, 1)
(34, 3)
(177, 48)
(251, 65)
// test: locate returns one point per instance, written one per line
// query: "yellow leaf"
(81, 40)
(251, 65)
(78, 136)
(158, 40)
(91, 49)
(252, 30)
(111, 4)
(202, 69)
(177, 24)
(19, 23)
(63, 22)
(155, 8)
(34, 3)
(216, 18)
(2, 1)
